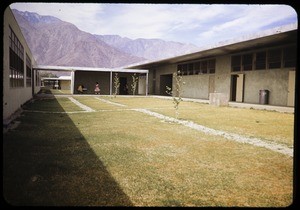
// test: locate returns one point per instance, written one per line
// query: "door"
(165, 80)
(123, 86)
(237, 87)
(291, 89)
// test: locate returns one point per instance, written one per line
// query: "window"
(247, 62)
(184, 69)
(260, 61)
(274, 59)
(211, 66)
(190, 69)
(236, 63)
(203, 67)
(289, 57)
(197, 68)
(28, 71)
(16, 61)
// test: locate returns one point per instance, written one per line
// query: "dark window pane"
(236, 63)
(260, 62)
(247, 62)
(204, 67)
(289, 56)
(274, 58)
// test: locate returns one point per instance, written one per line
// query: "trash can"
(264, 96)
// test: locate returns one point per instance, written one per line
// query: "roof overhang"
(56, 78)
(246, 44)
(73, 68)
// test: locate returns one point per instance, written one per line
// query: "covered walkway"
(73, 71)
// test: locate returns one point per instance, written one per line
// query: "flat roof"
(57, 78)
(74, 68)
(281, 35)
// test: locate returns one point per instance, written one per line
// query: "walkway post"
(72, 81)
(110, 83)
(147, 83)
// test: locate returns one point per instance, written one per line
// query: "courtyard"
(91, 150)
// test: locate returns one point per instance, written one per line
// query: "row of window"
(198, 67)
(28, 71)
(267, 59)
(16, 62)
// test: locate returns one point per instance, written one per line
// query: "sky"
(198, 24)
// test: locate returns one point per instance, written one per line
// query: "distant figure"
(79, 89)
(126, 89)
(97, 89)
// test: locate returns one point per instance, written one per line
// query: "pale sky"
(198, 24)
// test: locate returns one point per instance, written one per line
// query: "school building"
(258, 68)
(240, 70)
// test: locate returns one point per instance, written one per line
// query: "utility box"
(218, 99)
(264, 96)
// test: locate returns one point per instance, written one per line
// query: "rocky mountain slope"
(152, 49)
(56, 42)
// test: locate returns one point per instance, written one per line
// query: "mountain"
(56, 42)
(152, 49)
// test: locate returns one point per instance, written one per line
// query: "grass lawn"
(115, 157)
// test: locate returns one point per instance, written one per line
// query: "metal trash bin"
(264, 96)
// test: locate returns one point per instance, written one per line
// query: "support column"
(147, 83)
(110, 83)
(72, 81)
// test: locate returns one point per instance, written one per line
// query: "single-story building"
(20, 82)
(88, 76)
(242, 70)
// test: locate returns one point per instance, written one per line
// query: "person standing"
(97, 89)
(80, 89)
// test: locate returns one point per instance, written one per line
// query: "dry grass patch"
(126, 158)
(164, 164)
(267, 125)
(94, 103)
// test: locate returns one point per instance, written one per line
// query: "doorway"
(165, 80)
(237, 87)
(123, 90)
(291, 89)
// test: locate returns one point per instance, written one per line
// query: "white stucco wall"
(14, 97)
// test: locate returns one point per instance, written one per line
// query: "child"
(97, 89)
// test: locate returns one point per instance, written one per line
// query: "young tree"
(116, 84)
(176, 96)
(134, 83)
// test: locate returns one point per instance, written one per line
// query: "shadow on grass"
(47, 162)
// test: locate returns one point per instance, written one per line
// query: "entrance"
(165, 80)
(237, 87)
(291, 89)
(123, 89)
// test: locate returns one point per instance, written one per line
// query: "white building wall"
(13, 98)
